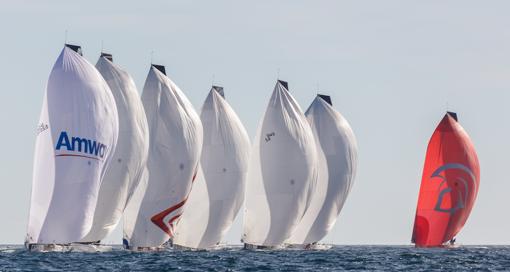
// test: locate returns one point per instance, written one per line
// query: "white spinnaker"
(218, 191)
(132, 209)
(174, 153)
(337, 149)
(282, 170)
(126, 169)
(76, 138)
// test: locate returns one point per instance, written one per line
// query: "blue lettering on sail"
(80, 144)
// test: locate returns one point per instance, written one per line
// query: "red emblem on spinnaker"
(159, 218)
(449, 185)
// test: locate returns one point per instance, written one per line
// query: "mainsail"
(282, 170)
(174, 152)
(449, 185)
(337, 156)
(129, 159)
(76, 137)
(218, 191)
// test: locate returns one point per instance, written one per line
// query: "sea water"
(356, 258)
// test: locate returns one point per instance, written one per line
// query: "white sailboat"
(174, 152)
(76, 137)
(129, 159)
(218, 191)
(282, 170)
(337, 155)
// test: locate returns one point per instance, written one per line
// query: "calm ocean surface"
(360, 258)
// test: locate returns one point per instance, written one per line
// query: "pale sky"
(391, 67)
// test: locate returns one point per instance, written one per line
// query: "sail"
(76, 137)
(218, 191)
(131, 212)
(282, 169)
(174, 151)
(449, 185)
(130, 156)
(337, 155)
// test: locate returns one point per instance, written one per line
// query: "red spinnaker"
(449, 185)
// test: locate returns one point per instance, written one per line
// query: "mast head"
(75, 48)
(219, 90)
(284, 84)
(453, 115)
(326, 98)
(107, 56)
(160, 68)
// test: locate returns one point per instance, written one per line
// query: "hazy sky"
(391, 67)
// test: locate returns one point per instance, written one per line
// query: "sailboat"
(174, 151)
(129, 159)
(337, 157)
(282, 172)
(75, 141)
(218, 191)
(449, 185)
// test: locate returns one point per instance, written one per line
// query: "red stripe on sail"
(450, 181)
(194, 174)
(158, 218)
(171, 223)
(75, 155)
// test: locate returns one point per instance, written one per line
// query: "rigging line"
(152, 55)
(65, 37)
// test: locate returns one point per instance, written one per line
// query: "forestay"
(128, 164)
(283, 168)
(218, 191)
(76, 137)
(337, 155)
(174, 152)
